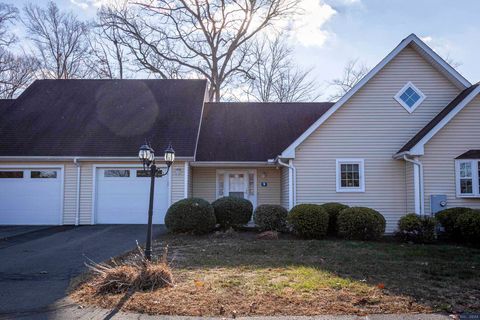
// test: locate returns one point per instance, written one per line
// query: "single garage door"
(122, 196)
(30, 196)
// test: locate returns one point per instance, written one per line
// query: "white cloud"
(426, 39)
(308, 28)
(86, 4)
(82, 4)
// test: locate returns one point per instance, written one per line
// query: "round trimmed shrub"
(447, 219)
(333, 209)
(232, 212)
(360, 223)
(309, 221)
(270, 217)
(468, 226)
(193, 215)
(419, 229)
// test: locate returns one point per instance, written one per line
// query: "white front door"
(31, 196)
(237, 183)
(122, 196)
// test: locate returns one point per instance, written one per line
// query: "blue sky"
(336, 31)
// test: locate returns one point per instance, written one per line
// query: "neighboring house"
(405, 139)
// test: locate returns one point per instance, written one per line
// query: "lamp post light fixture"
(147, 156)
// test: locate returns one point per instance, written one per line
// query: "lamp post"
(147, 156)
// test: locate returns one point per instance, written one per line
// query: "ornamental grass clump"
(135, 274)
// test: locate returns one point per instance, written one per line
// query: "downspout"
(419, 175)
(292, 177)
(77, 207)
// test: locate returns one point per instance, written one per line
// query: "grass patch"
(244, 276)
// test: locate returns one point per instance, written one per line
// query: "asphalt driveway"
(35, 271)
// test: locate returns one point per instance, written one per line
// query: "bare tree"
(16, 73)
(8, 16)
(275, 77)
(60, 41)
(454, 63)
(353, 72)
(108, 56)
(182, 38)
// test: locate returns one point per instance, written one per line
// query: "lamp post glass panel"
(147, 156)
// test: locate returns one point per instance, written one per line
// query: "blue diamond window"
(410, 97)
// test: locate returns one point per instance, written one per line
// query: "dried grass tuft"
(134, 274)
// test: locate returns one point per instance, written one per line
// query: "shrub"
(232, 212)
(447, 219)
(333, 209)
(468, 226)
(412, 227)
(190, 215)
(360, 223)
(270, 217)
(309, 220)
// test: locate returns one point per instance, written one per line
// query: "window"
(11, 174)
(350, 175)
(410, 97)
(44, 174)
(116, 173)
(468, 178)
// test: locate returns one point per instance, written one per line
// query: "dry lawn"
(240, 275)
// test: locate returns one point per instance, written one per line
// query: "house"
(405, 139)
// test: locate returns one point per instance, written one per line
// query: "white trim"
(475, 178)
(205, 99)
(289, 152)
(403, 104)
(237, 164)
(419, 147)
(60, 167)
(95, 168)
(361, 164)
(186, 173)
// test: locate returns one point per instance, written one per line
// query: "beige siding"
(204, 184)
(178, 181)
(372, 126)
(203, 180)
(284, 187)
(409, 187)
(271, 193)
(461, 134)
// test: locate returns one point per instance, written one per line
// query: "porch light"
(146, 155)
(169, 155)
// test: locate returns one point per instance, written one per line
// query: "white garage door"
(30, 196)
(122, 196)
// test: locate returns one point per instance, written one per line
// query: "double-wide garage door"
(122, 196)
(31, 196)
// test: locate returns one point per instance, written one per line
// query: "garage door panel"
(123, 198)
(30, 201)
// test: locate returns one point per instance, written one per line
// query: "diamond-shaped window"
(410, 97)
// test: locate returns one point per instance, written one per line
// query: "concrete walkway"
(66, 309)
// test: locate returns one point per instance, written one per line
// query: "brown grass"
(244, 276)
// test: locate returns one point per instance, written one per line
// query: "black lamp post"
(147, 156)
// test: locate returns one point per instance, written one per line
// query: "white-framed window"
(410, 97)
(237, 183)
(350, 175)
(467, 173)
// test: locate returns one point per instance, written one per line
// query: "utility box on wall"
(438, 202)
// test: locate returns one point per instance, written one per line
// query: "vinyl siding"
(284, 188)
(461, 134)
(178, 181)
(204, 184)
(372, 126)
(271, 193)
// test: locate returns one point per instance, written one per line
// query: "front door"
(237, 183)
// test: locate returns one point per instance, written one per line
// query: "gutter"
(72, 158)
(292, 178)
(418, 183)
(77, 213)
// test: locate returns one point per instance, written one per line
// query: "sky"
(332, 32)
